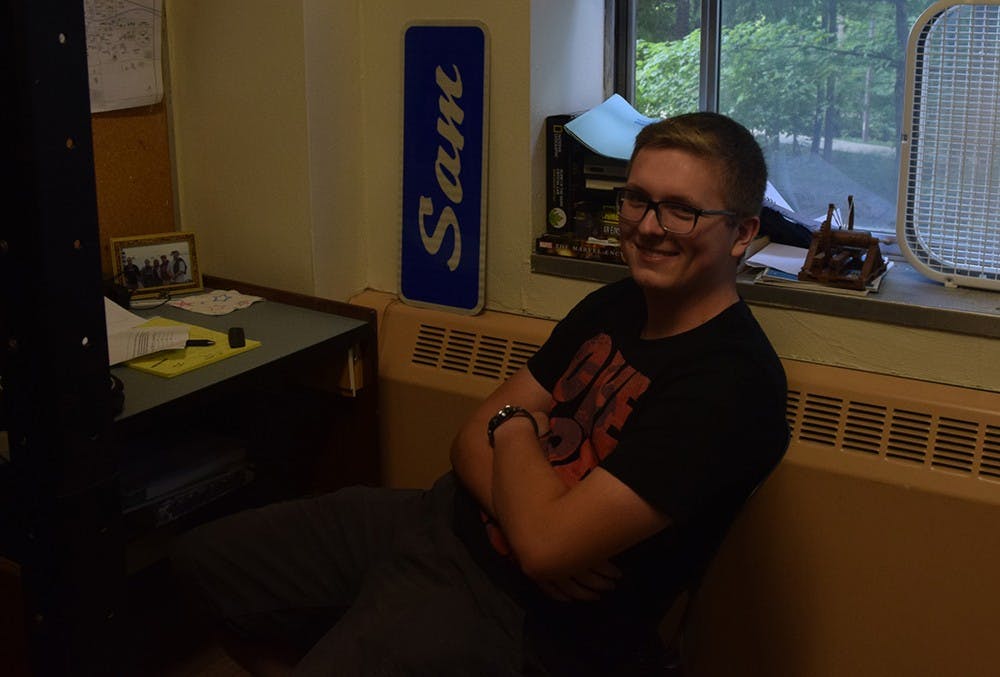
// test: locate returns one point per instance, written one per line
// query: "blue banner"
(444, 167)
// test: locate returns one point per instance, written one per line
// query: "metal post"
(53, 348)
(711, 54)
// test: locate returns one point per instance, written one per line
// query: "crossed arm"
(561, 536)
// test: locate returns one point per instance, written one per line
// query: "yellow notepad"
(170, 363)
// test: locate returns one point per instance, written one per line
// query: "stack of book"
(590, 248)
(779, 278)
(580, 185)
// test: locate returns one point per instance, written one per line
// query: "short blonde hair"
(719, 138)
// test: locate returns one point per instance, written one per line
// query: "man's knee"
(210, 564)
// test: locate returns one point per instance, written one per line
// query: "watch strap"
(506, 413)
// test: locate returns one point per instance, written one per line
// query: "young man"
(588, 490)
(178, 267)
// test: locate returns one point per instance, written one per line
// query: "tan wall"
(240, 137)
(924, 354)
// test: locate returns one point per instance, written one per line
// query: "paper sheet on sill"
(783, 257)
(609, 128)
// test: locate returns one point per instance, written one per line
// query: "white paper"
(123, 53)
(117, 318)
(610, 128)
(126, 339)
(783, 257)
(771, 193)
(215, 303)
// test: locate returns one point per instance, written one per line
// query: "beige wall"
(287, 131)
(240, 139)
(335, 101)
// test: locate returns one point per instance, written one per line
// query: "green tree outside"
(818, 77)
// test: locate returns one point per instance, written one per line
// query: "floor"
(165, 641)
(211, 662)
(160, 638)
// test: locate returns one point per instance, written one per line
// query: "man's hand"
(586, 586)
(471, 455)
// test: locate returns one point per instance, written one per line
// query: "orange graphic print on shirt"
(592, 400)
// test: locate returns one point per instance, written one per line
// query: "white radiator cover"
(935, 437)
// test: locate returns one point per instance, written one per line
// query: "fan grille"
(950, 177)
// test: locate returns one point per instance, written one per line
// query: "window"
(820, 82)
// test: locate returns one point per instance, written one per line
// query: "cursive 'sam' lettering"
(447, 169)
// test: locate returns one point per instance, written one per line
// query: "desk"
(282, 396)
(283, 330)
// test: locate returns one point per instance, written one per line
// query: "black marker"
(199, 342)
(237, 338)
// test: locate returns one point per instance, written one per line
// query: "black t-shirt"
(692, 423)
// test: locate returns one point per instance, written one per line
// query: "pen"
(199, 342)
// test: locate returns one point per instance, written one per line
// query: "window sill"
(906, 297)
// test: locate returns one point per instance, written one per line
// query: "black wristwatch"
(507, 412)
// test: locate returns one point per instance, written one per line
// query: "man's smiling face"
(695, 264)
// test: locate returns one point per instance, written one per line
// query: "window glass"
(820, 82)
(667, 56)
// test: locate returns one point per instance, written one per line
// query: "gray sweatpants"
(367, 581)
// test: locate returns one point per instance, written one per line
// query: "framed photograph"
(156, 265)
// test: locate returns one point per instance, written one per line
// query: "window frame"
(621, 59)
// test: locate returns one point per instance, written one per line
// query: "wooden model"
(842, 258)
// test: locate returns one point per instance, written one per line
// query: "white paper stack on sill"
(780, 265)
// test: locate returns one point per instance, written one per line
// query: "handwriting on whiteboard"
(123, 53)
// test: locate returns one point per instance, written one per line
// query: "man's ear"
(744, 232)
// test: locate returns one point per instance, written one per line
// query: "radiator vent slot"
(468, 352)
(821, 419)
(863, 427)
(909, 435)
(934, 441)
(955, 445)
(428, 347)
(989, 464)
(792, 407)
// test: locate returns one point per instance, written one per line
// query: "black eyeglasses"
(674, 217)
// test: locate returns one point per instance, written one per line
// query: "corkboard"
(132, 167)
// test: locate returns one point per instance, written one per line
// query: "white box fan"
(949, 174)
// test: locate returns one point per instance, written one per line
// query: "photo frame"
(176, 269)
